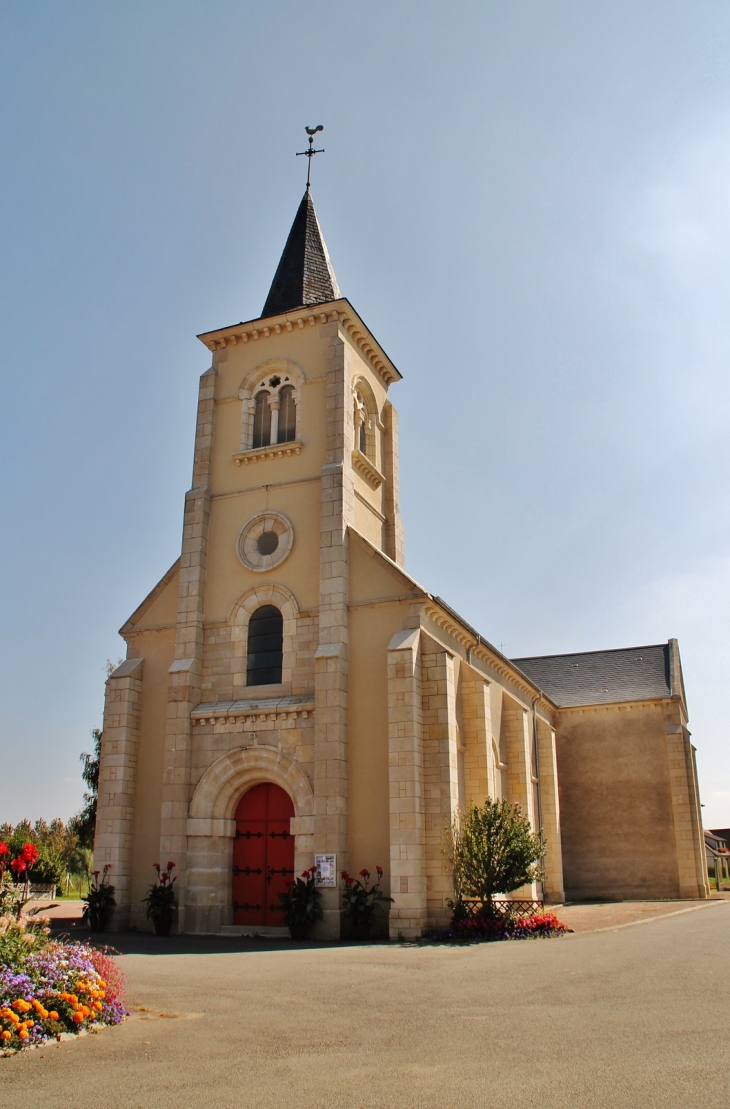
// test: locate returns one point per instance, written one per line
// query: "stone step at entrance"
(254, 930)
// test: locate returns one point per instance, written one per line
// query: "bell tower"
(296, 446)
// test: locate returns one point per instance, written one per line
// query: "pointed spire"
(304, 275)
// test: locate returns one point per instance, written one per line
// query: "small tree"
(493, 849)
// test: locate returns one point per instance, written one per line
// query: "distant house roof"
(601, 677)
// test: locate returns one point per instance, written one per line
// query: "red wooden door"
(263, 855)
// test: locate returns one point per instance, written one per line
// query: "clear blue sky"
(528, 203)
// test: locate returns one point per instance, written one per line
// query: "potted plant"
(362, 901)
(301, 905)
(160, 900)
(99, 901)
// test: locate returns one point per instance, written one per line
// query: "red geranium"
(18, 865)
(4, 849)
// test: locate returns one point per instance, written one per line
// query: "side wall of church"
(616, 803)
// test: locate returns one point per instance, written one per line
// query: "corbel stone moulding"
(467, 641)
(246, 333)
(262, 454)
(252, 711)
(266, 330)
(366, 469)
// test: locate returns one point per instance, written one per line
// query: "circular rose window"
(265, 541)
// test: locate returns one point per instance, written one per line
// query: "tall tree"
(85, 819)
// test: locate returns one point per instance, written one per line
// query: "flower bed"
(58, 987)
(480, 928)
(47, 987)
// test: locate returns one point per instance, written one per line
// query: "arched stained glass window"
(287, 416)
(265, 646)
(262, 421)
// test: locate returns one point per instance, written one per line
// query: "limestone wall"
(616, 803)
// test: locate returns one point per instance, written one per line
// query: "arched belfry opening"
(263, 855)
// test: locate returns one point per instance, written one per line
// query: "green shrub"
(493, 850)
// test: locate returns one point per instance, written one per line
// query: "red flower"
(170, 866)
(364, 874)
(29, 853)
(107, 867)
(97, 873)
(18, 865)
(380, 871)
(346, 878)
(4, 849)
(164, 876)
(156, 866)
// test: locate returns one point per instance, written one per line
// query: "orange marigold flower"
(78, 1017)
(23, 1034)
(53, 1015)
(5, 1035)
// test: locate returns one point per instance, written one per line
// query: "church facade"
(290, 691)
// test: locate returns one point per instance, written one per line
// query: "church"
(290, 692)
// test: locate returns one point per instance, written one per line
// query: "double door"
(263, 855)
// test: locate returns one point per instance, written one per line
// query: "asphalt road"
(635, 1017)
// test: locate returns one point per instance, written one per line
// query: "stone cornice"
(340, 311)
(266, 708)
(624, 706)
(473, 643)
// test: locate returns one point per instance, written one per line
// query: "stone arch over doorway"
(211, 827)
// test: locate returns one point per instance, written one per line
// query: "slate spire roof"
(304, 275)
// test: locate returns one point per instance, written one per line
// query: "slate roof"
(304, 275)
(601, 677)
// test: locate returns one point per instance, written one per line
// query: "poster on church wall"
(326, 870)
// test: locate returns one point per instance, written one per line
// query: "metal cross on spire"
(310, 152)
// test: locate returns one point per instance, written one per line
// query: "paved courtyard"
(631, 1017)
